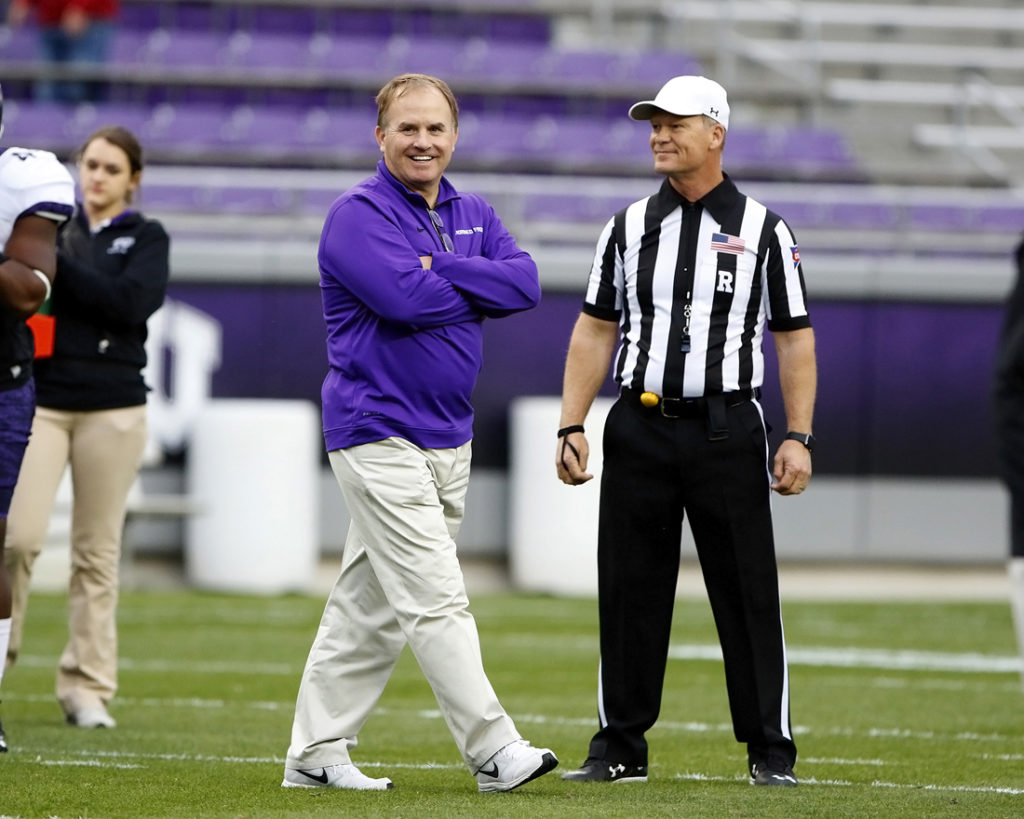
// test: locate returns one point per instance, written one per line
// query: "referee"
(685, 281)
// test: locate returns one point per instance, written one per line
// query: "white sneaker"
(334, 776)
(514, 765)
(93, 717)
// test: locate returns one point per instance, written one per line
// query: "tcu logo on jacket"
(122, 244)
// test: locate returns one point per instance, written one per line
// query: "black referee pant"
(655, 468)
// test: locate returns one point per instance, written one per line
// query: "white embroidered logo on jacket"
(122, 244)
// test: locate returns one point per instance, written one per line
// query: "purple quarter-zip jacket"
(405, 344)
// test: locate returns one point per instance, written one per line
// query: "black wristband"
(804, 438)
(570, 430)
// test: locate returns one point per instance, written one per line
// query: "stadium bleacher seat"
(291, 85)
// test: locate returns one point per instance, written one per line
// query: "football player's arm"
(30, 263)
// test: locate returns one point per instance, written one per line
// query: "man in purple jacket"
(409, 270)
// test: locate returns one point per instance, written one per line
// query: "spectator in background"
(1009, 413)
(36, 195)
(409, 270)
(71, 33)
(112, 270)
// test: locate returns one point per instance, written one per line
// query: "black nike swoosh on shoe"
(322, 778)
(493, 772)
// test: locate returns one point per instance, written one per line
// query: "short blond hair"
(402, 83)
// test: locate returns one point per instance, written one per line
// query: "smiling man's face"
(417, 139)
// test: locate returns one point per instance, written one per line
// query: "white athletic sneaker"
(93, 717)
(334, 776)
(514, 765)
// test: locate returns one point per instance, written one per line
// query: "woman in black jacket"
(112, 270)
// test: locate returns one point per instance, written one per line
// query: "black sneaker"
(3, 740)
(772, 771)
(601, 770)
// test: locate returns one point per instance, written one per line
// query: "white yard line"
(880, 658)
(915, 786)
(819, 656)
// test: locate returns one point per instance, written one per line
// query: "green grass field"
(900, 709)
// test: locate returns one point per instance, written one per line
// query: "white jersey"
(33, 183)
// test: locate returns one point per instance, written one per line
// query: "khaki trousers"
(400, 582)
(104, 450)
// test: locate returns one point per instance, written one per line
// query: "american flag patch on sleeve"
(724, 243)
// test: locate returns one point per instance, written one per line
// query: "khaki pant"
(400, 582)
(104, 449)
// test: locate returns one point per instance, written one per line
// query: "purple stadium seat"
(19, 45)
(255, 201)
(811, 146)
(941, 217)
(349, 56)
(311, 136)
(998, 219)
(167, 47)
(865, 215)
(502, 63)
(88, 118)
(148, 16)
(230, 200)
(290, 19)
(268, 51)
(186, 130)
(502, 139)
(182, 198)
(346, 21)
(132, 46)
(317, 202)
(348, 136)
(605, 69)
(652, 69)
(572, 208)
(38, 125)
(803, 214)
(745, 147)
(585, 68)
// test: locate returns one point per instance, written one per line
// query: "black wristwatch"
(804, 438)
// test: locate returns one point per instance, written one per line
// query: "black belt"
(690, 407)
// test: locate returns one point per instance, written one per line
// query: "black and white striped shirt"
(692, 286)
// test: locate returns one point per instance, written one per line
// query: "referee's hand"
(792, 468)
(571, 455)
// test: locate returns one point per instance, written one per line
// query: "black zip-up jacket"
(108, 283)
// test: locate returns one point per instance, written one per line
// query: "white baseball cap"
(686, 97)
